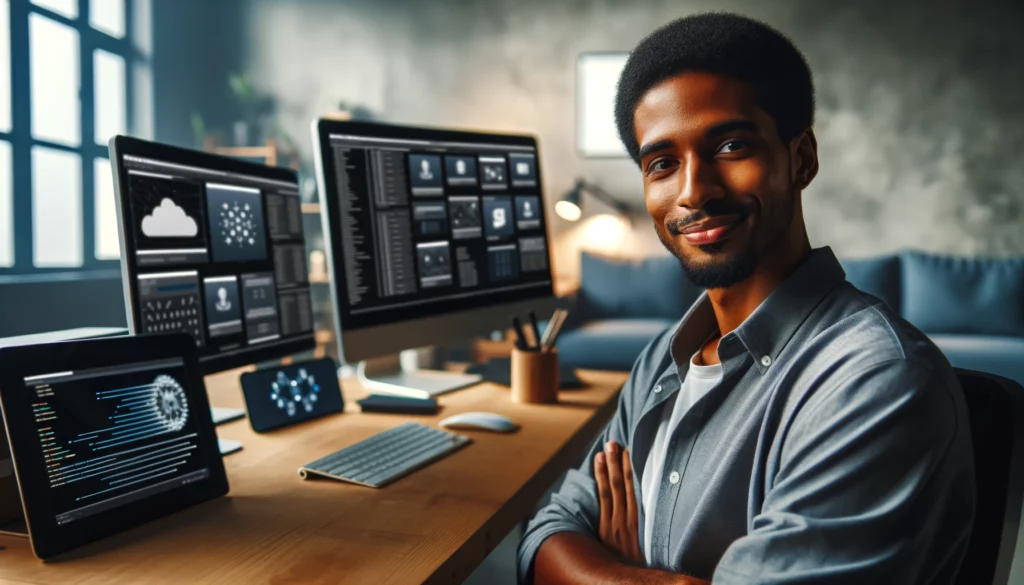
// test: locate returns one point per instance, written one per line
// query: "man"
(791, 429)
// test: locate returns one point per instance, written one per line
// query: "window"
(73, 73)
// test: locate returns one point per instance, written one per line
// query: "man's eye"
(660, 165)
(732, 146)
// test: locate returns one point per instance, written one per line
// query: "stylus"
(549, 328)
(536, 330)
(556, 328)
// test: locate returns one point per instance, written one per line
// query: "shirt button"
(673, 478)
(766, 361)
(657, 388)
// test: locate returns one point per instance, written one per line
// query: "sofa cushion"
(613, 344)
(962, 295)
(876, 276)
(654, 287)
(1000, 355)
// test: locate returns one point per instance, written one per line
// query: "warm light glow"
(568, 211)
(605, 233)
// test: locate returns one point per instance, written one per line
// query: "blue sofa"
(973, 309)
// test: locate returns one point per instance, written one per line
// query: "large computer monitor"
(433, 236)
(212, 246)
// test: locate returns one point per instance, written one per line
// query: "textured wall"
(919, 124)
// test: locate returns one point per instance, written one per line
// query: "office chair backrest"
(996, 409)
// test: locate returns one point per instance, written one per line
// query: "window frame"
(22, 142)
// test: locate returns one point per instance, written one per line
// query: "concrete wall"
(919, 124)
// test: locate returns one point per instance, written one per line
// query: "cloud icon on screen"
(169, 221)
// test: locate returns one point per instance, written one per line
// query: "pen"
(520, 338)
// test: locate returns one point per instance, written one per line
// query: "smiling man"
(791, 428)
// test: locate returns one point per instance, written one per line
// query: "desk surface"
(435, 525)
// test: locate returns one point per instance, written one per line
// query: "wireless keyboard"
(386, 456)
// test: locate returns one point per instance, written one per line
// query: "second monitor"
(433, 236)
(213, 247)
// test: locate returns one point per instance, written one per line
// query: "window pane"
(597, 81)
(5, 65)
(68, 8)
(142, 27)
(107, 16)
(142, 116)
(111, 109)
(56, 207)
(108, 245)
(6, 208)
(54, 69)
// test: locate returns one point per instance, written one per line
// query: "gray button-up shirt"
(836, 448)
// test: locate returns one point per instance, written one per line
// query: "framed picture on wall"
(597, 77)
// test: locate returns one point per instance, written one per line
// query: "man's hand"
(569, 558)
(619, 529)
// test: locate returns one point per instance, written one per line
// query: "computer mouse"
(485, 421)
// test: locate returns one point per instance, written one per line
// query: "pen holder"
(535, 376)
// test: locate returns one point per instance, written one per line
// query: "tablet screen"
(111, 436)
(107, 434)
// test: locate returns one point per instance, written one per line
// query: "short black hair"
(728, 44)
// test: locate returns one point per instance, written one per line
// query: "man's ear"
(803, 154)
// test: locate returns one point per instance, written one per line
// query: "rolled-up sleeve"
(574, 506)
(874, 485)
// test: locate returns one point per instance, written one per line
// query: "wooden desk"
(435, 525)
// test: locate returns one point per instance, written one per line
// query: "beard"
(725, 269)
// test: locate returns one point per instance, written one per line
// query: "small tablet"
(281, 397)
(107, 434)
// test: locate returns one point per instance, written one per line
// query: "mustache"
(713, 208)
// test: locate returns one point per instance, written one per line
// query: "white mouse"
(487, 421)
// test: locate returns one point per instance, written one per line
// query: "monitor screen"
(114, 435)
(213, 247)
(425, 222)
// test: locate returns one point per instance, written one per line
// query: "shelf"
(311, 208)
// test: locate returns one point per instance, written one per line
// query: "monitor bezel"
(372, 341)
(18, 362)
(125, 145)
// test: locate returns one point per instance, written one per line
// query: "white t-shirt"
(698, 381)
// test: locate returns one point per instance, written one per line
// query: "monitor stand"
(17, 528)
(224, 415)
(386, 376)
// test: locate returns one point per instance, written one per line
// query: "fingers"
(604, 494)
(627, 474)
(613, 459)
(632, 521)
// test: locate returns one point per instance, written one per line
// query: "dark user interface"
(434, 226)
(111, 436)
(218, 255)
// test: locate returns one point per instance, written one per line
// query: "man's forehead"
(694, 102)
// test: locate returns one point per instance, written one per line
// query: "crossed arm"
(876, 485)
(568, 558)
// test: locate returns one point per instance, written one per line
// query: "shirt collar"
(697, 325)
(767, 331)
